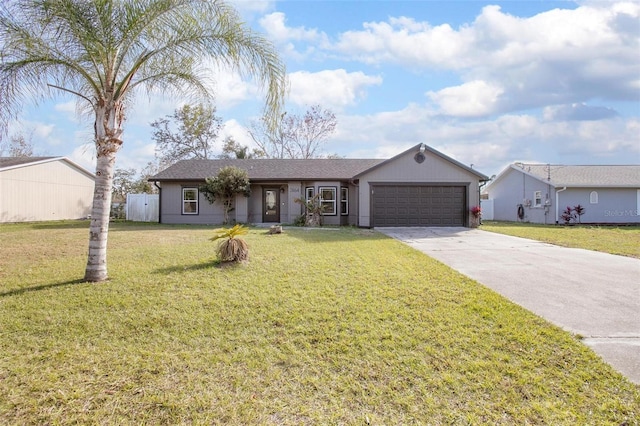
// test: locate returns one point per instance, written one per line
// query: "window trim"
(593, 197)
(344, 201)
(196, 201)
(537, 198)
(332, 202)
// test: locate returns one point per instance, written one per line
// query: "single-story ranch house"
(539, 193)
(419, 187)
(44, 188)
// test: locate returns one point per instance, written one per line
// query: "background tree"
(295, 136)
(104, 51)
(17, 146)
(143, 185)
(190, 132)
(124, 182)
(233, 150)
(229, 182)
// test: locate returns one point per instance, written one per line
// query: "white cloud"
(333, 89)
(559, 56)
(238, 132)
(473, 99)
(488, 144)
(275, 26)
(293, 42)
(405, 41)
(85, 156)
(252, 6)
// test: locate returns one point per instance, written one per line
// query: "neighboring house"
(419, 187)
(44, 188)
(538, 193)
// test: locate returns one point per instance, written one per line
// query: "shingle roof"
(17, 161)
(270, 169)
(584, 176)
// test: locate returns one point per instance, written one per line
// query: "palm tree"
(104, 51)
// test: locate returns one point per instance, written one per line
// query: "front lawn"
(621, 240)
(329, 326)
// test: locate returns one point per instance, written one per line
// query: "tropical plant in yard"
(102, 52)
(313, 210)
(231, 248)
(476, 211)
(579, 211)
(567, 215)
(572, 214)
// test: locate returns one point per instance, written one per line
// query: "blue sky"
(487, 83)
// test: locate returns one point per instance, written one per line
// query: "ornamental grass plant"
(231, 248)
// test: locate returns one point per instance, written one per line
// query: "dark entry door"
(271, 205)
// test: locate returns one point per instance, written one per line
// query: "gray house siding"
(613, 205)
(517, 189)
(249, 210)
(171, 206)
(604, 202)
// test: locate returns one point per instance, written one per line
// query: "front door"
(271, 205)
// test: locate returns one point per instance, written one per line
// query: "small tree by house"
(224, 187)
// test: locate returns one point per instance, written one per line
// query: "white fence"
(143, 207)
(487, 209)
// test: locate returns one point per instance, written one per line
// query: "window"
(344, 201)
(537, 199)
(310, 192)
(189, 200)
(328, 200)
(593, 197)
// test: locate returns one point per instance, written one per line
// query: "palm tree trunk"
(108, 129)
(98, 230)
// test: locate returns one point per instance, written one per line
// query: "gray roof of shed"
(270, 169)
(18, 161)
(584, 176)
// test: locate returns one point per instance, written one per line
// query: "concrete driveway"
(593, 294)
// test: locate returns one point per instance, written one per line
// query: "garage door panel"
(418, 205)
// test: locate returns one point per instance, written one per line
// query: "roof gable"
(425, 148)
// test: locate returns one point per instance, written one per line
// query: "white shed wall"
(54, 190)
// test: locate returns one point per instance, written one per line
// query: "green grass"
(621, 240)
(319, 327)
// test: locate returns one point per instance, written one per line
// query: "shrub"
(313, 210)
(572, 214)
(476, 211)
(232, 248)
